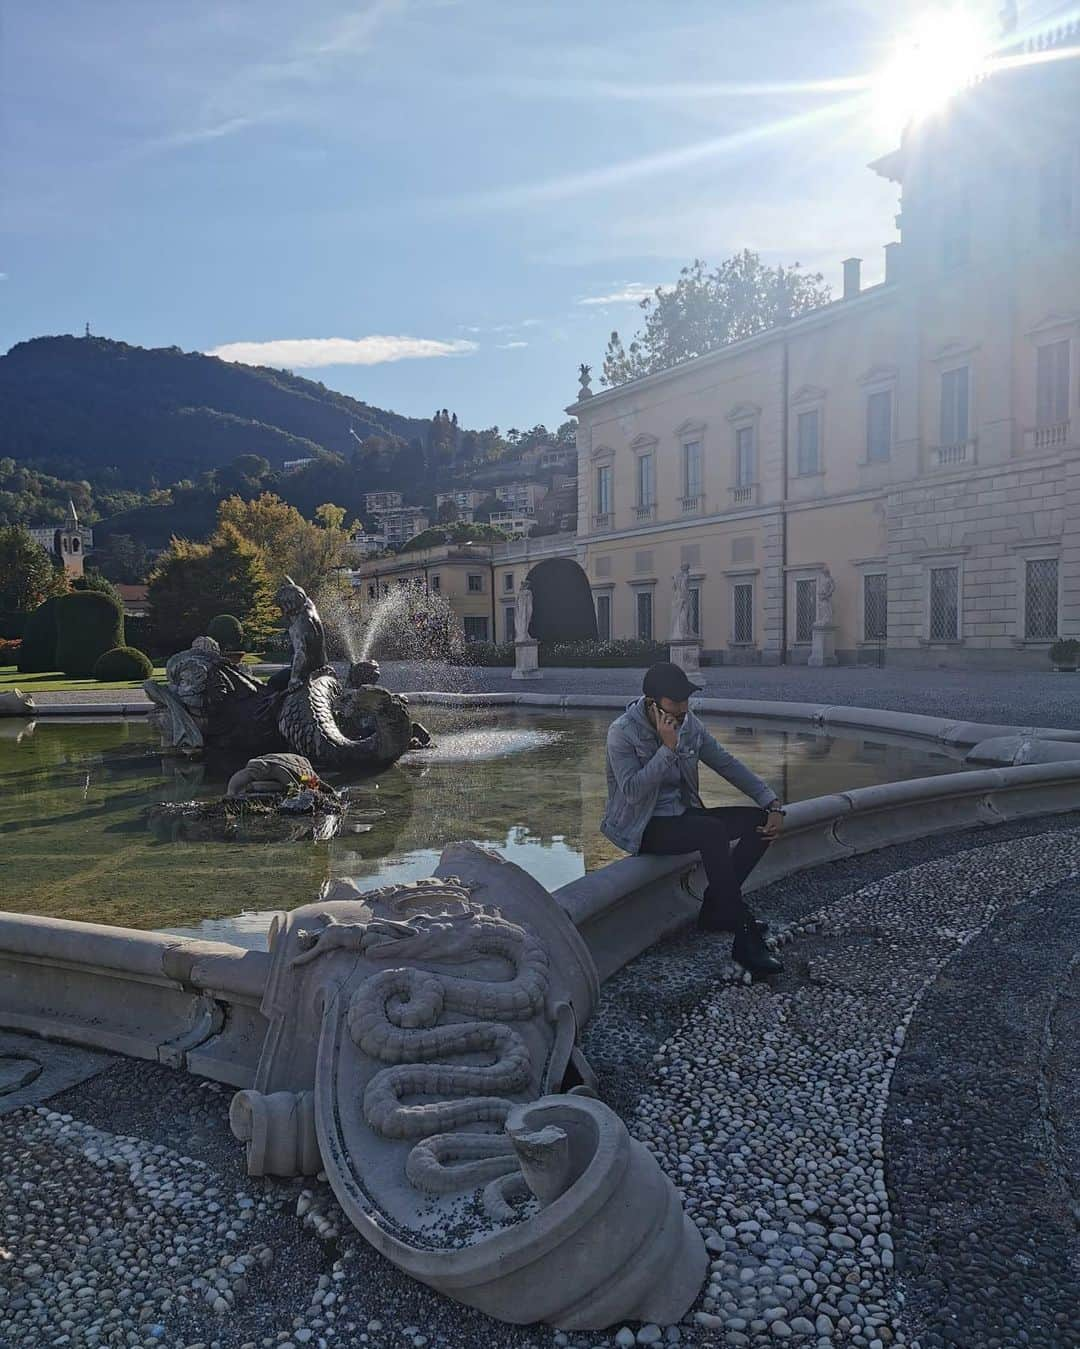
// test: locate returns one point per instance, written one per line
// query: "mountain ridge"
(76, 406)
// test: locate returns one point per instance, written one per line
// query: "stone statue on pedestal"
(523, 609)
(681, 615)
(826, 588)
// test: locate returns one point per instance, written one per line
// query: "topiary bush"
(227, 631)
(122, 662)
(87, 625)
(38, 651)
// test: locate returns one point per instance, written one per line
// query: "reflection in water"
(531, 785)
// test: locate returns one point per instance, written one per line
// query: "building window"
(644, 608)
(508, 581)
(692, 476)
(1041, 599)
(436, 582)
(476, 629)
(744, 456)
(807, 442)
(475, 583)
(509, 617)
(875, 607)
(402, 581)
(743, 609)
(1056, 196)
(1052, 383)
(954, 406)
(372, 592)
(805, 608)
(74, 545)
(603, 490)
(694, 592)
(879, 418)
(944, 604)
(603, 617)
(955, 233)
(646, 480)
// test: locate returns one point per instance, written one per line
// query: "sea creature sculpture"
(209, 702)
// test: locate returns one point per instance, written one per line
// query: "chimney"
(892, 262)
(852, 282)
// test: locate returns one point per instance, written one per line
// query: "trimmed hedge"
(12, 625)
(38, 651)
(227, 631)
(122, 662)
(624, 652)
(88, 624)
(488, 653)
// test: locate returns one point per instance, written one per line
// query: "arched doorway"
(563, 608)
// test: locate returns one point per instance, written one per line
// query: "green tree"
(93, 580)
(707, 309)
(28, 575)
(193, 582)
(122, 558)
(448, 513)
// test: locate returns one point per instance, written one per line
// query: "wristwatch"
(775, 809)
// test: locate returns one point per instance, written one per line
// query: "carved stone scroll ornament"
(425, 1037)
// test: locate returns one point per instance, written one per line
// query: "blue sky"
(489, 180)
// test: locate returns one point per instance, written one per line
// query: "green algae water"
(74, 842)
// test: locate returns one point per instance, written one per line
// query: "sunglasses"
(677, 717)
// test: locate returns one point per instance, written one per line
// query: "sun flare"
(944, 51)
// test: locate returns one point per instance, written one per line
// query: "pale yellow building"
(920, 438)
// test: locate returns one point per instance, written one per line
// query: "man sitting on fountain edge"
(653, 805)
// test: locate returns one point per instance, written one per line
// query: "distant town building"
(70, 542)
(466, 501)
(362, 544)
(400, 525)
(291, 465)
(514, 524)
(135, 599)
(376, 502)
(523, 497)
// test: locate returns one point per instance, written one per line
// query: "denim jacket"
(637, 762)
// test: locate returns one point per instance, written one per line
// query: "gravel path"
(127, 1219)
(1036, 699)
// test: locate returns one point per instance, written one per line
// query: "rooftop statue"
(211, 703)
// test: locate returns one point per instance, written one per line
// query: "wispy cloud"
(311, 353)
(283, 88)
(629, 171)
(510, 346)
(637, 91)
(633, 292)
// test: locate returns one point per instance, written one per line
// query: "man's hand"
(774, 823)
(667, 728)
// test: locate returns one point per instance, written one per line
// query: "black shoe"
(749, 950)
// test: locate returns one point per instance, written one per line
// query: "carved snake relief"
(394, 1017)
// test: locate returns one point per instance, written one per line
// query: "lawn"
(52, 680)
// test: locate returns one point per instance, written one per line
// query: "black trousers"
(712, 831)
